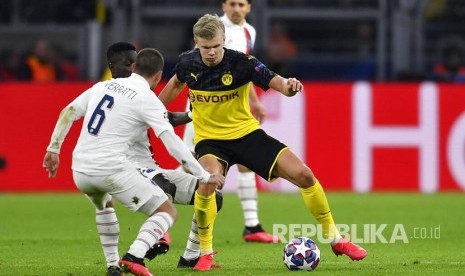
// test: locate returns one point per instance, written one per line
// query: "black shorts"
(257, 151)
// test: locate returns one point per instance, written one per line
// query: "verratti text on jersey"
(120, 89)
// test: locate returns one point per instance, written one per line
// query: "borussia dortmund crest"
(227, 79)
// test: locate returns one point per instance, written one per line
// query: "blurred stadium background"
(383, 40)
(367, 120)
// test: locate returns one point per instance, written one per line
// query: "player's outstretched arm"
(68, 115)
(171, 90)
(64, 123)
(288, 87)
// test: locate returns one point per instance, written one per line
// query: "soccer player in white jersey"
(114, 112)
(240, 36)
(178, 185)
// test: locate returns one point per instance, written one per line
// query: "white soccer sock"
(247, 192)
(150, 233)
(192, 250)
(108, 230)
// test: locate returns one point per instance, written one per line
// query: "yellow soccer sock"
(205, 211)
(316, 202)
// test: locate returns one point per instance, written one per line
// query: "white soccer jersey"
(140, 153)
(236, 37)
(115, 112)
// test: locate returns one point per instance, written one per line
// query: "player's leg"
(138, 193)
(151, 231)
(105, 219)
(205, 210)
(180, 188)
(247, 192)
(290, 167)
(192, 251)
(186, 185)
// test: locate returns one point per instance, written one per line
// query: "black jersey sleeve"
(179, 70)
(260, 74)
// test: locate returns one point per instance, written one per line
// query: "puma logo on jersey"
(194, 76)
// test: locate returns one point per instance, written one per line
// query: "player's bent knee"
(309, 180)
(218, 199)
(168, 207)
(305, 178)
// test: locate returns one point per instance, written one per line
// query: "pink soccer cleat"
(136, 266)
(258, 234)
(353, 251)
(205, 263)
(262, 237)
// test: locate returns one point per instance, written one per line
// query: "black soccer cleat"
(183, 263)
(160, 248)
(114, 271)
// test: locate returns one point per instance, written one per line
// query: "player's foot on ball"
(353, 251)
(160, 248)
(136, 266)
(114, 271)
(184, 263)
(205, 263)
(257, 234)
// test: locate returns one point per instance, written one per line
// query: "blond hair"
(208, 26)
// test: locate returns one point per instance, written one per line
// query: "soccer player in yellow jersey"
(226, 133)
(239, 36)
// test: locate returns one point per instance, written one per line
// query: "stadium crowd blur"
(329, 40)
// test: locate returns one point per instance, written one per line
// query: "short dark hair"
(148, 62)
(118, 48)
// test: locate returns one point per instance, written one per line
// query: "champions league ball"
(301, 254)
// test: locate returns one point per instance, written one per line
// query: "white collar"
(138, 78)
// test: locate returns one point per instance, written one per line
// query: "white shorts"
(185, 183)
(128, 186)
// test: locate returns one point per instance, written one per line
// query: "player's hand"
(293, 86)
(218, 180)
(258, 111)
(51, 163)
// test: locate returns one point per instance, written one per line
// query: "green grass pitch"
(55, 234)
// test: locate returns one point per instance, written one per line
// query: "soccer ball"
(301, 254)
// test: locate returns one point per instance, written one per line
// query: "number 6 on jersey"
(98, 116)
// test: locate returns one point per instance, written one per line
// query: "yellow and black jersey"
(219, 95)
